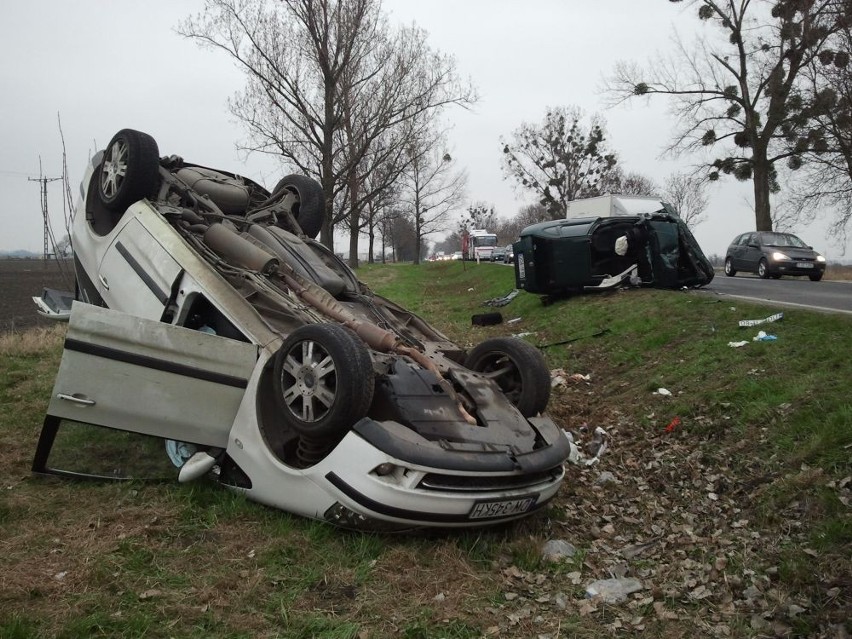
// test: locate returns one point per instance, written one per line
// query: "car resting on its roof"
(207, 315)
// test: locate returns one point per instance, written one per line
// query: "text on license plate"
(521, 270)
(507, 508)
(805, 264)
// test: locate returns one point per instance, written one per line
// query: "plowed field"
(20, 280)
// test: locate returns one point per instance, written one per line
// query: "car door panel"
(148, 377)
(136, 274)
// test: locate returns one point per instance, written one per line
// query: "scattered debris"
(514, 320)
(665, 392)
(763, 337)
(524, 334)
(599, 333)
(737, 344)
(593, 450)
(605, 479)
(486, 319)
(558, 377)
(556, 550)
(613, 591)
(757, 322)
(673, 424)
(501, 301)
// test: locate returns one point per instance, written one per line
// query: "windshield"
(782, 239)
(484, 240)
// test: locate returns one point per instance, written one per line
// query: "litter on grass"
(673, 424)
(501, 301)
(737, 344)
(757, 322)
(763, 337)
(595, 448)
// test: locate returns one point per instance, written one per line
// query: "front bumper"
(373, 490)
(791, 267)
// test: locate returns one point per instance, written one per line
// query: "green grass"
(777, 413)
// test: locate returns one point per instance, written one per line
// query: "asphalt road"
(788, 291)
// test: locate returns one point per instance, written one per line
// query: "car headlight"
(778, 256)
(820, 258)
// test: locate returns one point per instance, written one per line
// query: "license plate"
(805, 264)
(505, 508)
(521, 274)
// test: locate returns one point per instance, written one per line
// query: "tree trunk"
(417, 236)
(354, 219)
(760, 179)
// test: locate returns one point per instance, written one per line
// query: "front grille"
(460, 483)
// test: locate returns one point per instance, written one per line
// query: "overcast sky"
(106, 65)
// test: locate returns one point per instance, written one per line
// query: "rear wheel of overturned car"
(310, 211)
(518, 368)
(730, 271)
(323, 380)
(763, 269)
(129, 170)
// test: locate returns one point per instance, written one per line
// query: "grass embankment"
(735, 519)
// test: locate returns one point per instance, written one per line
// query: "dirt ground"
(20, 280)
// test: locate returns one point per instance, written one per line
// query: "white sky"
(106, 65)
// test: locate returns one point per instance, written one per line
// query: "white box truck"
(613, 206)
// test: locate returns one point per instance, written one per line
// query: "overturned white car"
(206, 315)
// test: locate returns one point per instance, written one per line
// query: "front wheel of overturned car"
(730, 271)
(310, 210)
(129, 170)
(518, 368)
(323, 380)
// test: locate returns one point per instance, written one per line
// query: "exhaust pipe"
(229, 245)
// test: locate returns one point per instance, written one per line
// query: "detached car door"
(129, 373)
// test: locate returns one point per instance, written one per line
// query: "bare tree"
(734, 93)
(825, 184)
(432, 187)
(617, 182)
(479, 215)
(509, 230)
(557, 160)
(316, 67)
(686, 193)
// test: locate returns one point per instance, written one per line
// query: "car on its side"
(771, 254)
(562, 257)
(206, 315)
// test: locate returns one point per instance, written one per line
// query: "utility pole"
(46, 218)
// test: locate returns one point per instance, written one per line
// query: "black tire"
(323, 380)
(730, 271)
(310, 211)
(129, 170)
(518, 368)
(816, 277)
(763, 269)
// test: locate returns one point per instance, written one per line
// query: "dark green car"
(562, 257)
